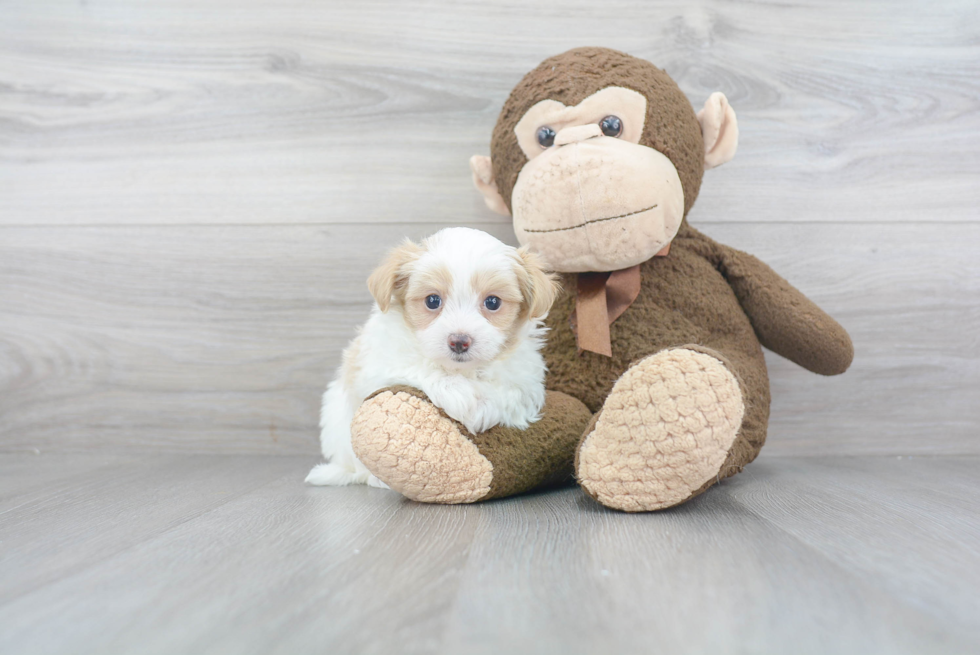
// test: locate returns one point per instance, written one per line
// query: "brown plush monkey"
(657, 383)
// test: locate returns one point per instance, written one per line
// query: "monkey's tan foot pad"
(409, 444)
(664, 432)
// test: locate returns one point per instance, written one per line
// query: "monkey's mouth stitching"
(594, 220)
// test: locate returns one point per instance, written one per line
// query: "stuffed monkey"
(657, 383)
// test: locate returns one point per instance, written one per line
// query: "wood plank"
(880, 529)
(24, 475)
(221, 339)
(296, 546)
(794, 555)
(711, 576)
(95, 512)
(114, 113)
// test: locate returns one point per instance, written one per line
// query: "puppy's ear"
(393, 273)
(538, 287)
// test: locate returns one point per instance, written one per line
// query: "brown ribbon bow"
(602, 298)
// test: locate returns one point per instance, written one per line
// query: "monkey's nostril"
(459, 343)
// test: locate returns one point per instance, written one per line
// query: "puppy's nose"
(459, 343)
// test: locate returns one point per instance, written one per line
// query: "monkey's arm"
(786, 321)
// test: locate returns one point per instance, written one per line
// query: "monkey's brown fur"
(703, 296)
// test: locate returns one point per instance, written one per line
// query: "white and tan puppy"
(457, 317)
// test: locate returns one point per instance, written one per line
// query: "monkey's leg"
(664, 432)
(413, 447)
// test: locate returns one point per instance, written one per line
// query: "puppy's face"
(463, 293)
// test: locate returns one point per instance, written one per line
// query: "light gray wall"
(192, 194)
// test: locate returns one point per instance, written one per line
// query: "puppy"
(457, 317)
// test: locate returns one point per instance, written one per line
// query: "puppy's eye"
(492, 303)
(546, 137)
(433, 301)
(611, 126)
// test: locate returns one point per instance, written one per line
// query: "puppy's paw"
(332, 475)
(483, 417)
(457, 397)
(373, 481)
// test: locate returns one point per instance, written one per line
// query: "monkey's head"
(598, 156)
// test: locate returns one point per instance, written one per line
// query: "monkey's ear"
(392, 276)
(483, 180)
(719, 129)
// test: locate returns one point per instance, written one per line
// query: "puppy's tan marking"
(502, 284)
(423, 282)
(436, 280)
(391, 277)
(538, 287)
(351, 362)
(536, 292)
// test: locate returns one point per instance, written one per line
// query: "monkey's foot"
(663, 433)
(410, 445)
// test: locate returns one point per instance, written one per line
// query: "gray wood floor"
(234, 554)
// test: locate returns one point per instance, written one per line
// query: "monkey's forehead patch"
(626, 104)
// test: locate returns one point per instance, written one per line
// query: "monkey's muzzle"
(598, 205)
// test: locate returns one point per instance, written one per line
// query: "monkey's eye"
(492, 303)
(546, 136)
(433, 301)
(611, 126)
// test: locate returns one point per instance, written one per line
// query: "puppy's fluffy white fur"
(475, 357)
